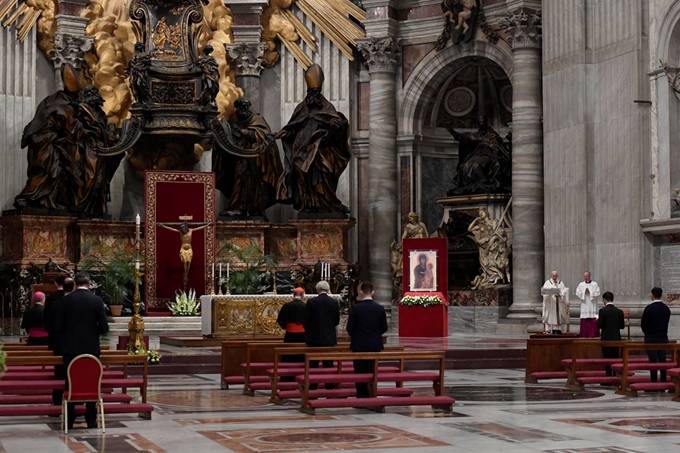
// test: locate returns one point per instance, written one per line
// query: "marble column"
(245, 54)
(381, 56)
(523, 27)
(70, 43)
(246, 59)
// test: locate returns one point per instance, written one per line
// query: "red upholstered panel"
(84, 377)
(170, 196)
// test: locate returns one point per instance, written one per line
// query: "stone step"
(162, 325)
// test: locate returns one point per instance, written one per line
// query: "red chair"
(85, 385)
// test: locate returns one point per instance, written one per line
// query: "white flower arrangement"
(185, 304)
(423, 300)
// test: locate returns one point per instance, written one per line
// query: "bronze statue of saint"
(211, 77)
(64, 171)
(316, 148)
(138, 74)
(248, 173)
(186, 253)
(484, 163)
(414, 228)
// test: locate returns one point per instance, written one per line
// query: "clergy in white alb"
(588, 291)
(554, 304)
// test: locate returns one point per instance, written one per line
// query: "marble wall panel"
(436, 176)
(411, 56)
(419, 12)
(405, 190)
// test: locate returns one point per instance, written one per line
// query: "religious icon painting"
(423, 270)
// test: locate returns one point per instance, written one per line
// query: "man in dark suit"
(80, 318)
(654, 325)
(321, 318)
(610, 321)
(366, 324)
(54, 340)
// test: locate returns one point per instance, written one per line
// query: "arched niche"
(454, 87)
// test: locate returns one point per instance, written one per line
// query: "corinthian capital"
(380, 54)
(524, 28)
(246, 58)
(70, 49)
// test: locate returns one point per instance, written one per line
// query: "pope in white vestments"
(588, 291)
(554, 305)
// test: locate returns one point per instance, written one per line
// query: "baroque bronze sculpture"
(484, 163)
(64, 172)
(316, 149)
(246, 163)
(173, 85)
(459, 16)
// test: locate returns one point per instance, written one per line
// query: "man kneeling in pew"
(366, 324)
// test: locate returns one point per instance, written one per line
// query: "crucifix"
(186, 253)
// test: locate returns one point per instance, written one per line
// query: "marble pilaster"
(523, 27)
(382, 56)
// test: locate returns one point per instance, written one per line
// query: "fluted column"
(381, 56)
(523, 27)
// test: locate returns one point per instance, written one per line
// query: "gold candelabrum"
(136, 343)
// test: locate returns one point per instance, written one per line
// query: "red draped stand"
(171, 198)
(416, 320)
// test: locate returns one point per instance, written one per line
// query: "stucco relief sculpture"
(246, 163)
(461, 16)
(414, 228)
(484, 164)
(316, 149)
(494, 251)
(64, 171)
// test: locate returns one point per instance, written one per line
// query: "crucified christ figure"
(186, 253)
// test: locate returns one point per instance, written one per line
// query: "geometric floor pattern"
(495, 412)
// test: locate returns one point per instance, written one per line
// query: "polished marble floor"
(495, 411)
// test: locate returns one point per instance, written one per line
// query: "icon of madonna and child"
(423, 270)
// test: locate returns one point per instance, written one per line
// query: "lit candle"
(220, 271)
(138, 220)
(137, 264)
(227, 271)
(213, 271)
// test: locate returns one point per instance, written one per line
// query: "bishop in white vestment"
(588, 291)
(554, 305)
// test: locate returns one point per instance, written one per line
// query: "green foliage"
(184, 304)
(251, 261)
(3, 356)
(114, 274)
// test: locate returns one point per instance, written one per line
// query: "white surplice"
(588, 301)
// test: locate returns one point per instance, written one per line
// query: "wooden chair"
(626, 319)
(85, 386)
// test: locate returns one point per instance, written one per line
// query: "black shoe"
(91, 425)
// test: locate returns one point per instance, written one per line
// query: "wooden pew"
(32, 392)
(375, 402)
(544, 357)
(630, 387)
(279, 353)
(235, 353)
